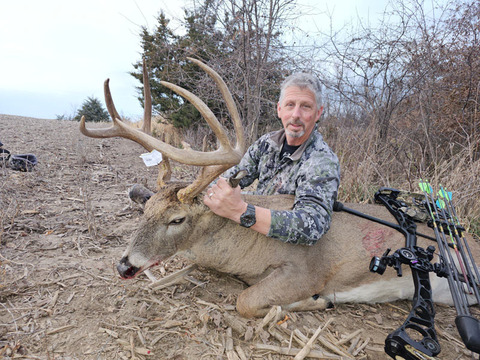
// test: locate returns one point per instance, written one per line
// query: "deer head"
(213, 163)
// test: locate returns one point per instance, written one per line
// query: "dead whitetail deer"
(295, 277)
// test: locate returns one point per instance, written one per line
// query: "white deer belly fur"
(379, 291)
(399, 288)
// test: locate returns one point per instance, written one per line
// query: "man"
(294, 160)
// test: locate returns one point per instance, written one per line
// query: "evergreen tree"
(165, 55)
(93, 110)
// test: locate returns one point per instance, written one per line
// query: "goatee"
(295, 134)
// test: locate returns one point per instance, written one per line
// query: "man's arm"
(305, 224)
(309, 220)
(316, 186)
(316, 189)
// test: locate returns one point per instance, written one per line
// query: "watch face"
(248, 218)
(248, 221)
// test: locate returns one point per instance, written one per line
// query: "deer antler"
(214, 163)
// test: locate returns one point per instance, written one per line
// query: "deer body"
(336, 268)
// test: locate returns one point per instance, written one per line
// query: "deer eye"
(177, 221)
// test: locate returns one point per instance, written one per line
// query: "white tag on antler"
(152, 158)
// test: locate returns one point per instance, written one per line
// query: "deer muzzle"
(127, 270)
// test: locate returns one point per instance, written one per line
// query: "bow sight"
(407, 208)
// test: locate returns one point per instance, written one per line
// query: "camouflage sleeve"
(310, 218)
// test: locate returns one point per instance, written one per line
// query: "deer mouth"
(129, 271)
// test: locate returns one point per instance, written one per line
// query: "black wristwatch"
(248, 219)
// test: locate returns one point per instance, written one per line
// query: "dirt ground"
(66, 224)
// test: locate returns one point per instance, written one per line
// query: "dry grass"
(368, 164)
(163, 130)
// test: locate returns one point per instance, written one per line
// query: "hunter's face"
(299, 112)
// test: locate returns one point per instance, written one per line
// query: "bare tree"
(372, 67)
(257, 59)
(241, 40)
(416, 71)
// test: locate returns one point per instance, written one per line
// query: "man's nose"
(296, 112)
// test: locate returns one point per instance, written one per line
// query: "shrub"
(93, 110)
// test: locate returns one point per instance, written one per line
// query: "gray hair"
(303, 81)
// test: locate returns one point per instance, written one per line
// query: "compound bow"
(399, 344)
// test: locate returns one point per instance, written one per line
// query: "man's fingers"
(221, 182)
(223, 186)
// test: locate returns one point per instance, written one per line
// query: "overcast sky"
(56, 53)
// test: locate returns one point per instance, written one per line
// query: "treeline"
(401, 96)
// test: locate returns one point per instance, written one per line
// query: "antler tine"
(204, 110)
(207, 175)
(112, 131)
(147, 108)
(116, 129)
(147, 112)
(230, 103)
(109, 101)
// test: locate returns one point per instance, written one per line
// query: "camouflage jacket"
(311, 173)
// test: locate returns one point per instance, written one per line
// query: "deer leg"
(284, 287)
(311, 303)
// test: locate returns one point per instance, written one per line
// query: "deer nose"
(125, 269)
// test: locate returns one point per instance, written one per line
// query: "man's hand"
(225, 201)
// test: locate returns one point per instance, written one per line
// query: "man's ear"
(278, 108)
(319, 113)
(140, 194)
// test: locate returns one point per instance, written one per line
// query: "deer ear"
(235, 179)
(139, 194)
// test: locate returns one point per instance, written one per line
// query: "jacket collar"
(278, 137)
